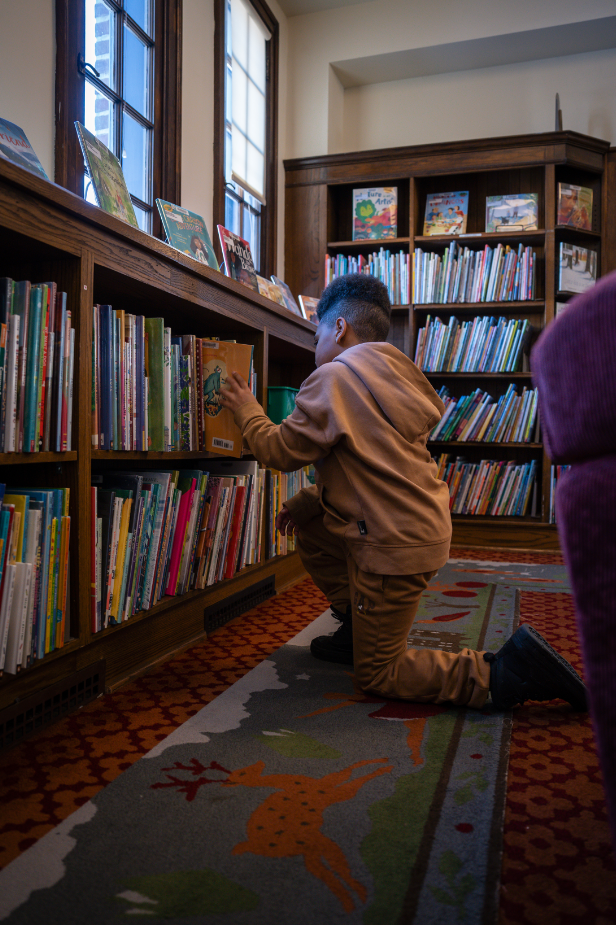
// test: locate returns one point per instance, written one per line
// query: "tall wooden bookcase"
(47, 233)
(318, 221)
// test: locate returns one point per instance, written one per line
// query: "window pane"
(256, 117)
(137, 58)
(141, 13)
(99, 115)
(255, 167)
(252, 225)
(256, 55)
(238, 154)
(239, 99)
(135, 158)
(239, 33)
(100, 40)
(227, 156)
(228, 92)
(232, 214)
(144, 218)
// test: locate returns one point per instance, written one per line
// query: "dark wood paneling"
(305, 239)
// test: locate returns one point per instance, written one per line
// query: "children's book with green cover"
(375, 213)
(187, 232)
(105, 171)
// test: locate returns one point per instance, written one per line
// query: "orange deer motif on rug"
(288, 823)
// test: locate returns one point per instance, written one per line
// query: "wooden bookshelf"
(318, 221)
(47, 233)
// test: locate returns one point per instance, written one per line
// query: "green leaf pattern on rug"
(184, 893)
(477, 783)
(297, 745)
(450, 867)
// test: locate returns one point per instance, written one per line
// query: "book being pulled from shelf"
(498, 488)
(152, 390)
(574, 206)
(15, 147)
(484, 344)
(34, 565)
(187, 232)
(514, 212)
(163, 533)
(477, 417)
(392, 269)
(446, 213)
(556, 473)
(494, 274)
(577, 268)
(375, 213)
(37, 350)
(238, 258)
(105, 171)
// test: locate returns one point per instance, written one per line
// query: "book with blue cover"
(187, 232)
(15, 147)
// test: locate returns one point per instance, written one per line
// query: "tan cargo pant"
(383, 608)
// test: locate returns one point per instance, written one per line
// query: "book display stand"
(319, 223)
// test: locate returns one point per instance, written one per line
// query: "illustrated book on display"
(270, 290)
(219, 358)
(187, 232)
(105, 171)
(375, 213)
(577, 268)
(289, 299)
(574, 206)
(446, 213)
(309, 305)
(517, 212)
(15, 147)
(238, 258)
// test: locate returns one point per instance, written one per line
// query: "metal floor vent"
(39, 710)
(237, 604)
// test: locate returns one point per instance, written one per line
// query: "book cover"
(187, 232)
(238, 259)
(270, 290)
(15, 147)
(446, 213)
(577, 268)
(154, 329)
(218, 359)
(375, 213)
(517, 212)
(105, 171)
(287, 295)
(574, 206)
(308, 305)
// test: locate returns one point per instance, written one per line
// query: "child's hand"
(235, 392)
(285, 523)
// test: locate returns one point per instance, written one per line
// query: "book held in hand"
(105, 171)
(219, 358)
(238, 258)
(446, 213)
(577, 268)
(574, 206)
(187, 232)
(375, 213)
(287, 295)
(517, 212)
(15, 147)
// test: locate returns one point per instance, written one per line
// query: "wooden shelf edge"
(484, 444)
(368, 242)
(473, 306)
(8, 459)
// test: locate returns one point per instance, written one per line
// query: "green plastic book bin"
(280, 402)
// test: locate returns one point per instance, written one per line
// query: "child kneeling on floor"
(376, 526)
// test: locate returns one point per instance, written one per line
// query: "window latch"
(85, 68)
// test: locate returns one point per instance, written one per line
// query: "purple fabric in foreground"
(574, 368)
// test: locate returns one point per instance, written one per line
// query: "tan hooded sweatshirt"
(364, 420)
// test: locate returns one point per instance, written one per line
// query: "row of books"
(152, 390)
(34, 564)
(483, 344)
(158, 533)
(497, 488)
(477, 417)
(37, 349)
(394, 270)
(494, 274)
(556, 473)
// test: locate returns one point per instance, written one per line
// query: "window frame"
(167, 115)
(268, 235)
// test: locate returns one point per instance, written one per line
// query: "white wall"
(28, 72)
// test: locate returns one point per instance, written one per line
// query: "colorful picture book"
(517, 212)
(375, 213)
(270, 290)
(446, 213)
(238, 258)
(288, 297)
(574, 206)
(577, 268)
(309, 306)
(105, 171)
(218, 359)
(187, 232)
(15, 147)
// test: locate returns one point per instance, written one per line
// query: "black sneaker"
(339, 646)
(528, 668)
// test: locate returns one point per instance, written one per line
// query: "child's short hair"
(362, 301)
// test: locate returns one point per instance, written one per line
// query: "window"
(245, 156)
(118, 72)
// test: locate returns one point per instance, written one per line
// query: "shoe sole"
(531, 646)
(327, 654)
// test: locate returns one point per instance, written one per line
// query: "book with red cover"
(238, 258)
